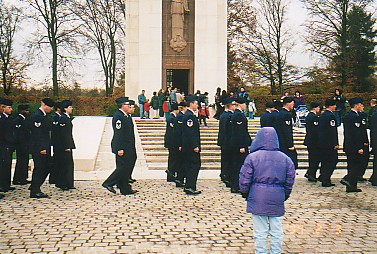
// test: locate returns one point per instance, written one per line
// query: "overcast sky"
(89, 69)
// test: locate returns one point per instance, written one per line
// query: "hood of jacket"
(266, 139)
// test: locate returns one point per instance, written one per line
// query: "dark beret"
(49, 102)
(314, 105)
(122, 100)
(354, 101)
(191, 98)
(132, 102)
(22, 107)
(65, 104)
(182, 104)
(270, 104)
(240, 100)
(287, 100)
(329, 102)
(174, 106)
(7, 102)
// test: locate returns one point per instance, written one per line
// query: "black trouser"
(40, 171)
(191, 160)
(22, 164)
(54, 167)
(172, 163)
(65, 169)
(365, 161)
(132, 157)
(226, 162)
(328, 164)
(314, 155)
(5, 167)
(291, 154)
(237, 162)
(121, 175)
(181, 167)
(354, 168)
(204, 118)
(373, 178)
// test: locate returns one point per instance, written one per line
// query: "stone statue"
(178, 10)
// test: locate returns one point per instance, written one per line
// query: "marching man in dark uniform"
(22, 138)
(191, 145)
(284, 130)
(373, 145)
(355, 143)
(6, 146)
(169, 143)
(328, 143)
(40, 145)
(177, 139)
(224, 140)
(64, 147)
(123, 146)
(1, 116)
(55, 139)
(268, 118)
(311, 141)
(366, 153)
(134, 155)
(240, 142)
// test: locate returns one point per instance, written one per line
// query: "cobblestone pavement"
(161, 219)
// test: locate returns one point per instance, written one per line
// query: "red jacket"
(147, 106)
(204, 112)
(165, 107)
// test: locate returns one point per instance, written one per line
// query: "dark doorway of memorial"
(178, 78)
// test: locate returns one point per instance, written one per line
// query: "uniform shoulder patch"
(332, 123)
(190, 123)
(118, 124)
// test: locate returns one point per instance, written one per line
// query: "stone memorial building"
(182, 43)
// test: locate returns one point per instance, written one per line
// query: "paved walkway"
(161, 219)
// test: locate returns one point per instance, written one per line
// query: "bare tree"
(327, 31)
(101, 25)
(272, 42)
(10, 18)
(60, 30)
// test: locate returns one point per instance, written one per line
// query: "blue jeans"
(338, 116)
(251, 115)
(264, 225)
(141, 106)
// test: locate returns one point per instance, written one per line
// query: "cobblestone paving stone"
(161, 219)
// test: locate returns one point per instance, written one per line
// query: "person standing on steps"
(141, 99)
(123, 146)
(191, 145)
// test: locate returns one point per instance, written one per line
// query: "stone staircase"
(152, 132)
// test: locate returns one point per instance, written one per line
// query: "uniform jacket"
(284, 129)
(124, 136)
(240, 133)
(169, 133)
(373, 132)
(268, 119)
(354, 133)
(40, 127)
(55, 135)
(327, 131)
(190, 132)
(267, 175)
(177, 130)
(311, 137)
(65, 128)
(21, 131)
(7, 139)
(225, 131)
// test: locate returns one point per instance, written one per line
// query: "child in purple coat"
(266, 181)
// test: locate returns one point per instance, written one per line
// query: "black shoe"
(190, 191)
(171, 176)
(109, 188)
(179, 184)
(361, 179)
(3, 190)
(20, 182)
(130, 192)
(72, 188)
(311, 178)
(346, 183)
(227, 184)
(374, 184)
(131, 180)
(39, 195)
(235, 191)
(348, 189)
(64, 188)
(11, 188)
(319, 179)
(1, 196)
(324, 184)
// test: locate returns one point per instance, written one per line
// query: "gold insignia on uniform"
(118, 124)
(55, 123)
(18, 125)
(288, 122)
(332, 123)
(190, 123)
(172, 125)
(37, 124)
(364, 122)
(315, 123)
(239, 123)
(180, 122)
(357, 125)
(62, 124)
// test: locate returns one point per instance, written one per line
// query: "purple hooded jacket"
(267, 175)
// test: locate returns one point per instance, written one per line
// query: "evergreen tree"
(361, 48)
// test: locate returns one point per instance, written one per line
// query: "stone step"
(203, 142)
(204, 147)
